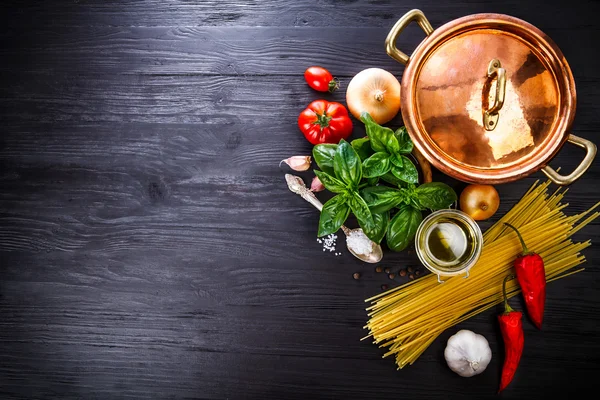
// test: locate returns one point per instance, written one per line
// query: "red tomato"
(325, 122)
(320, 79)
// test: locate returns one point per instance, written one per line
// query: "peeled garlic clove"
(316, 185)
(298, 163)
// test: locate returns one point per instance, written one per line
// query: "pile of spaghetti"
(407, 319)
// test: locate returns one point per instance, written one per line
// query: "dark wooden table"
(149, 245)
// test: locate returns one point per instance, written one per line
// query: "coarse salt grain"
(359, 242)
(329, 243)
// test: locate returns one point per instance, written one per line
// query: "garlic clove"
(298, 163)
(316, 185)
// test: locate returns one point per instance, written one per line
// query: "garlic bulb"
(467, 353)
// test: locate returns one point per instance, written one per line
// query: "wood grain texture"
(149, 247)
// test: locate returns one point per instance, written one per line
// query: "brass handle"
(390, 41)
(590, 153)
(491, 115)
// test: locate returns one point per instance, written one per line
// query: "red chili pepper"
(511, 326)
(531, 275)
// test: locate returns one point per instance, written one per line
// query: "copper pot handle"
(491, 115)
(590, 153)
(390, 41)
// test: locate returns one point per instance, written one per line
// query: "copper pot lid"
(486, 98)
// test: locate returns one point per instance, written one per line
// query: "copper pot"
(488, 98)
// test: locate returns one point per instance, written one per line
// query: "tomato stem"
(334, 85)
(322, 120)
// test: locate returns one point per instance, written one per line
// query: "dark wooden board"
(149, 247)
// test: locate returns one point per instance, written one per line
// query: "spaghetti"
(407, 319)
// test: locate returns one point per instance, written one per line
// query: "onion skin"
(479, 201)
(375, 91)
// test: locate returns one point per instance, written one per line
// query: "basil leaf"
(435, 195)
(382, 198)
(333, 215)
(407, 173)
(362, 147)
(377, 233)
(323, 155)
(396, 160)
(402, 228)
(404, 140)
(392, 180)
(331, 183)
(347, 165)
(391, 143)
(376, 165)
(382, 138)
(361, 212)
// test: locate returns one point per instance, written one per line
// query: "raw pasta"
(407, 319)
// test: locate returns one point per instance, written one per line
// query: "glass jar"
(448, 243)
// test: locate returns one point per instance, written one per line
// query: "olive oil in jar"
(448, 242)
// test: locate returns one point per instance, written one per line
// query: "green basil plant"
(355, 172)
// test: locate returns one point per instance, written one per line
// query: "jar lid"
(488, 97)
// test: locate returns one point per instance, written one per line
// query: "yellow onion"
(375, 91)
(479, 201)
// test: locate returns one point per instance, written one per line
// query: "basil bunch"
(389, 148)
(341, 173)
(353, 173)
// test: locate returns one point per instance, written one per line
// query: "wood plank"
(286, 51)
(92, 13)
